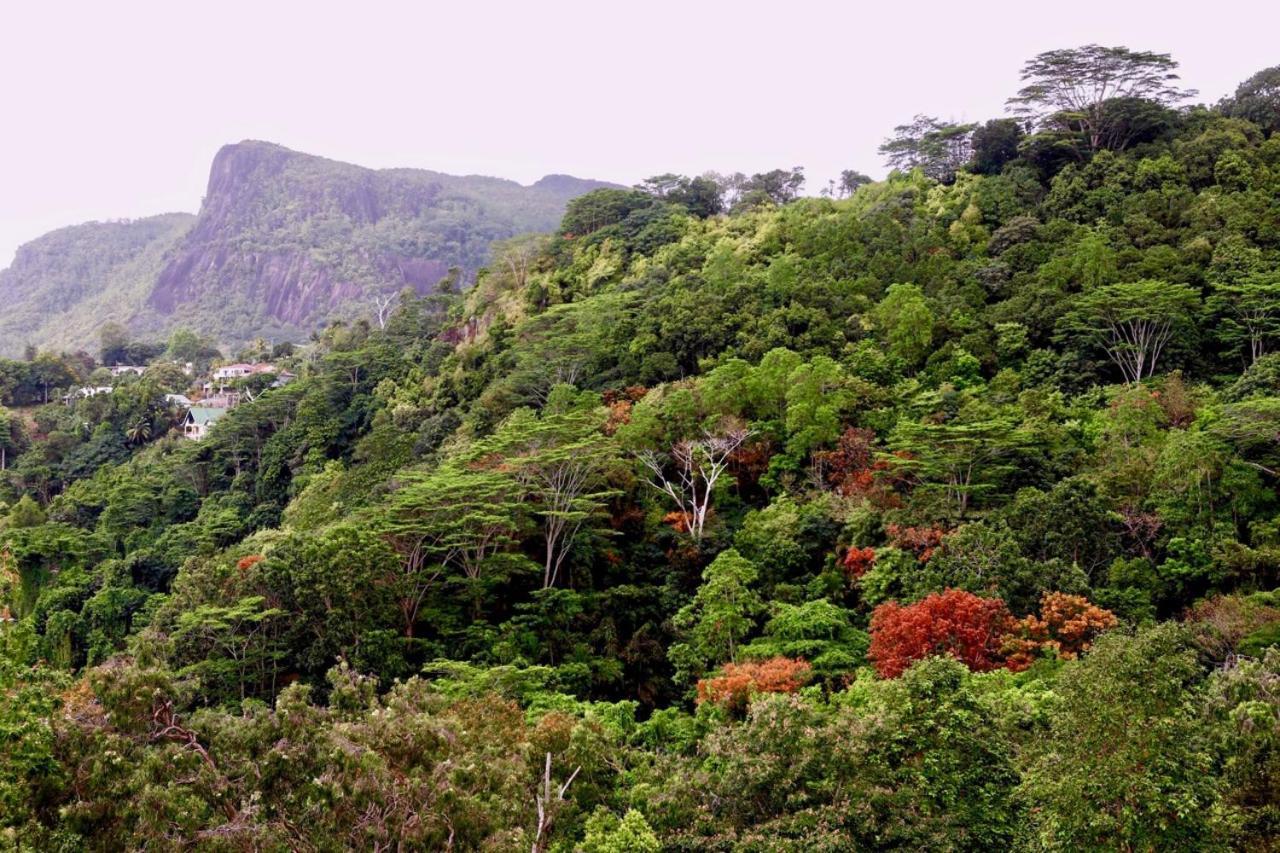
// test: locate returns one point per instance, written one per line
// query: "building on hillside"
(181, 401)
(232, 371)
(222, 400)
(84, 392)
(239, 371)
(122, 369)
(199, 419)
(229, 372)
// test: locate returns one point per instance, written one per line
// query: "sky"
(115, 110)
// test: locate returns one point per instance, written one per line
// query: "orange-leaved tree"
(1068, 624)
(738, 682)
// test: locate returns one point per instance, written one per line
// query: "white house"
(86, 391)
(122, 369)
(232, 371)
(199, 419)
(239, 371)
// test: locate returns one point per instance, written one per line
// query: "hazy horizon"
(117, 112)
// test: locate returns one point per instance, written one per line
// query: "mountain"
(284, 242)
(61, 287)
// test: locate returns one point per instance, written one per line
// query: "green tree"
(957, 460)
(1257, 100)
(850, 180)
(232, 647)
(331, 585)
(465, 517)
(914, 763)
(9, 432)
(1251, 314)
(560, 458)
(995, 144)
(1253, 426)
(937, 148)
(1079, 81)
(778, 186)
(904, 318)
(816, 631)
(114, 340)
(1069, 522)
(721, 614)
(1132, 322)
(30, 772)
(1126, 764)
(984, 558)
(818, 395)
(606, 833)
(26, 514)
(1242, 710)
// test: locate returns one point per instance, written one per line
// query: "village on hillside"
(211, 394)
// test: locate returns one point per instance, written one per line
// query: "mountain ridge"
(283, 242)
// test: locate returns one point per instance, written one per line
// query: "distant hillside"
(64, 285)
(283, 243)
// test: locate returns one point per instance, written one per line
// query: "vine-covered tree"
(721, 614)
(1125, 745)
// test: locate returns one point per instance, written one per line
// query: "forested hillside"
(935, 513)
(61, 287)
(284, 243)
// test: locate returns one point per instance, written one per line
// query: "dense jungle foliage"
(934, 513)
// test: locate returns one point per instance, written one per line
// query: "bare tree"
(518, 255)
(549, 806)
(697, 465)
(382, 305)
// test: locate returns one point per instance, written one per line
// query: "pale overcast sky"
(114, 110)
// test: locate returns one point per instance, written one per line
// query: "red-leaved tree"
(956, 623)
(856, 562)
(246, 563)
(921, 541)
(853, 470)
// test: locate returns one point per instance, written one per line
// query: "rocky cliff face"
(299, 237)
(283, 243)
